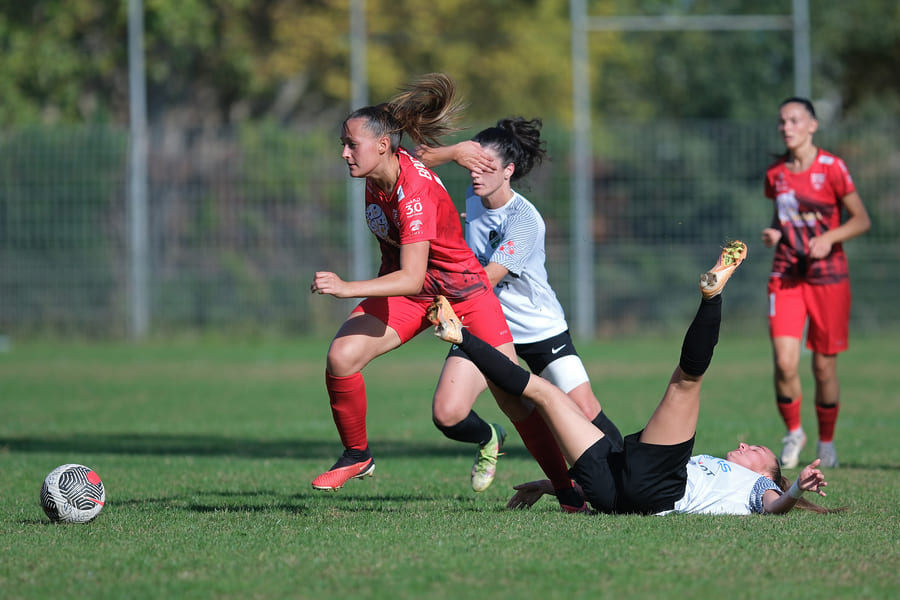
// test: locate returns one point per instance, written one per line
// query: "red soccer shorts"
(827, 307)
(482, 315)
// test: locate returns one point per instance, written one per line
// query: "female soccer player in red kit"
(809, 280)
(424, 253)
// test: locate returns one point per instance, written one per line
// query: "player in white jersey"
(507, 234)
(655, 471)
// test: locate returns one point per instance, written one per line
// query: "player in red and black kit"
(811, 189)
(424, 254)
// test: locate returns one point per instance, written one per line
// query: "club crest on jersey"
(494, 239)
(817, 180)
(508, 247)
(377, 221)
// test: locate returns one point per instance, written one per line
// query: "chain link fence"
(241, 218)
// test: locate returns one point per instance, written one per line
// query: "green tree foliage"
(690, 74)
(505, 56)
(219, 61)
(859, 50)
(59, 60)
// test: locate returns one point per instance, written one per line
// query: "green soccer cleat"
(485, 466)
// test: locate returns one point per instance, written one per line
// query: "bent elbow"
(867, 224)
(414, 286)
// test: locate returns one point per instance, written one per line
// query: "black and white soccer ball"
(72, 494)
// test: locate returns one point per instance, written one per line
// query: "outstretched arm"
(529, 493)
(468, 154)
(810, 479)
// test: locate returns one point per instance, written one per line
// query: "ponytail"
(517, 141)
(426, 110)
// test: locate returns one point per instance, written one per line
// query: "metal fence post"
(137, 177)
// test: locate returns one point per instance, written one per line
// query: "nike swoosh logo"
(556, 350)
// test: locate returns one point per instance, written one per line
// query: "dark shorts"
(641, 478)
(537, 355)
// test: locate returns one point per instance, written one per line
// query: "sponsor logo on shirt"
(493, 239)
(703, 467)
(413, 207)
(788, 210)
(781, 184)
(710, 469)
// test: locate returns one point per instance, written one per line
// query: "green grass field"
(207, 449)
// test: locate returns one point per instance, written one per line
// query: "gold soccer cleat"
(447, 325)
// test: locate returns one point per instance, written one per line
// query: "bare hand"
(811, 479)
(326, 282)
(529, 493)
(819, 247)
(770, 236)
(470, 155)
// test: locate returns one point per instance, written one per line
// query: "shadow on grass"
(213, 445)
(270, 501)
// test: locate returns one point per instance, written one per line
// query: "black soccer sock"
(701, 337)
(472, 429)
(351, 456)
(496, 366)
(609, 429)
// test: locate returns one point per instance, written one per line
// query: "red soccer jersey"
(419, 209)
(809, 204)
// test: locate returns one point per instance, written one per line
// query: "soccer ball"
(72, 494)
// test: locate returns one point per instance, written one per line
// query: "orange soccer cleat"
(447, 325)
(713, 281)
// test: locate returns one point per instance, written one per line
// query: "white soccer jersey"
(513, 236)
(716, 486)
